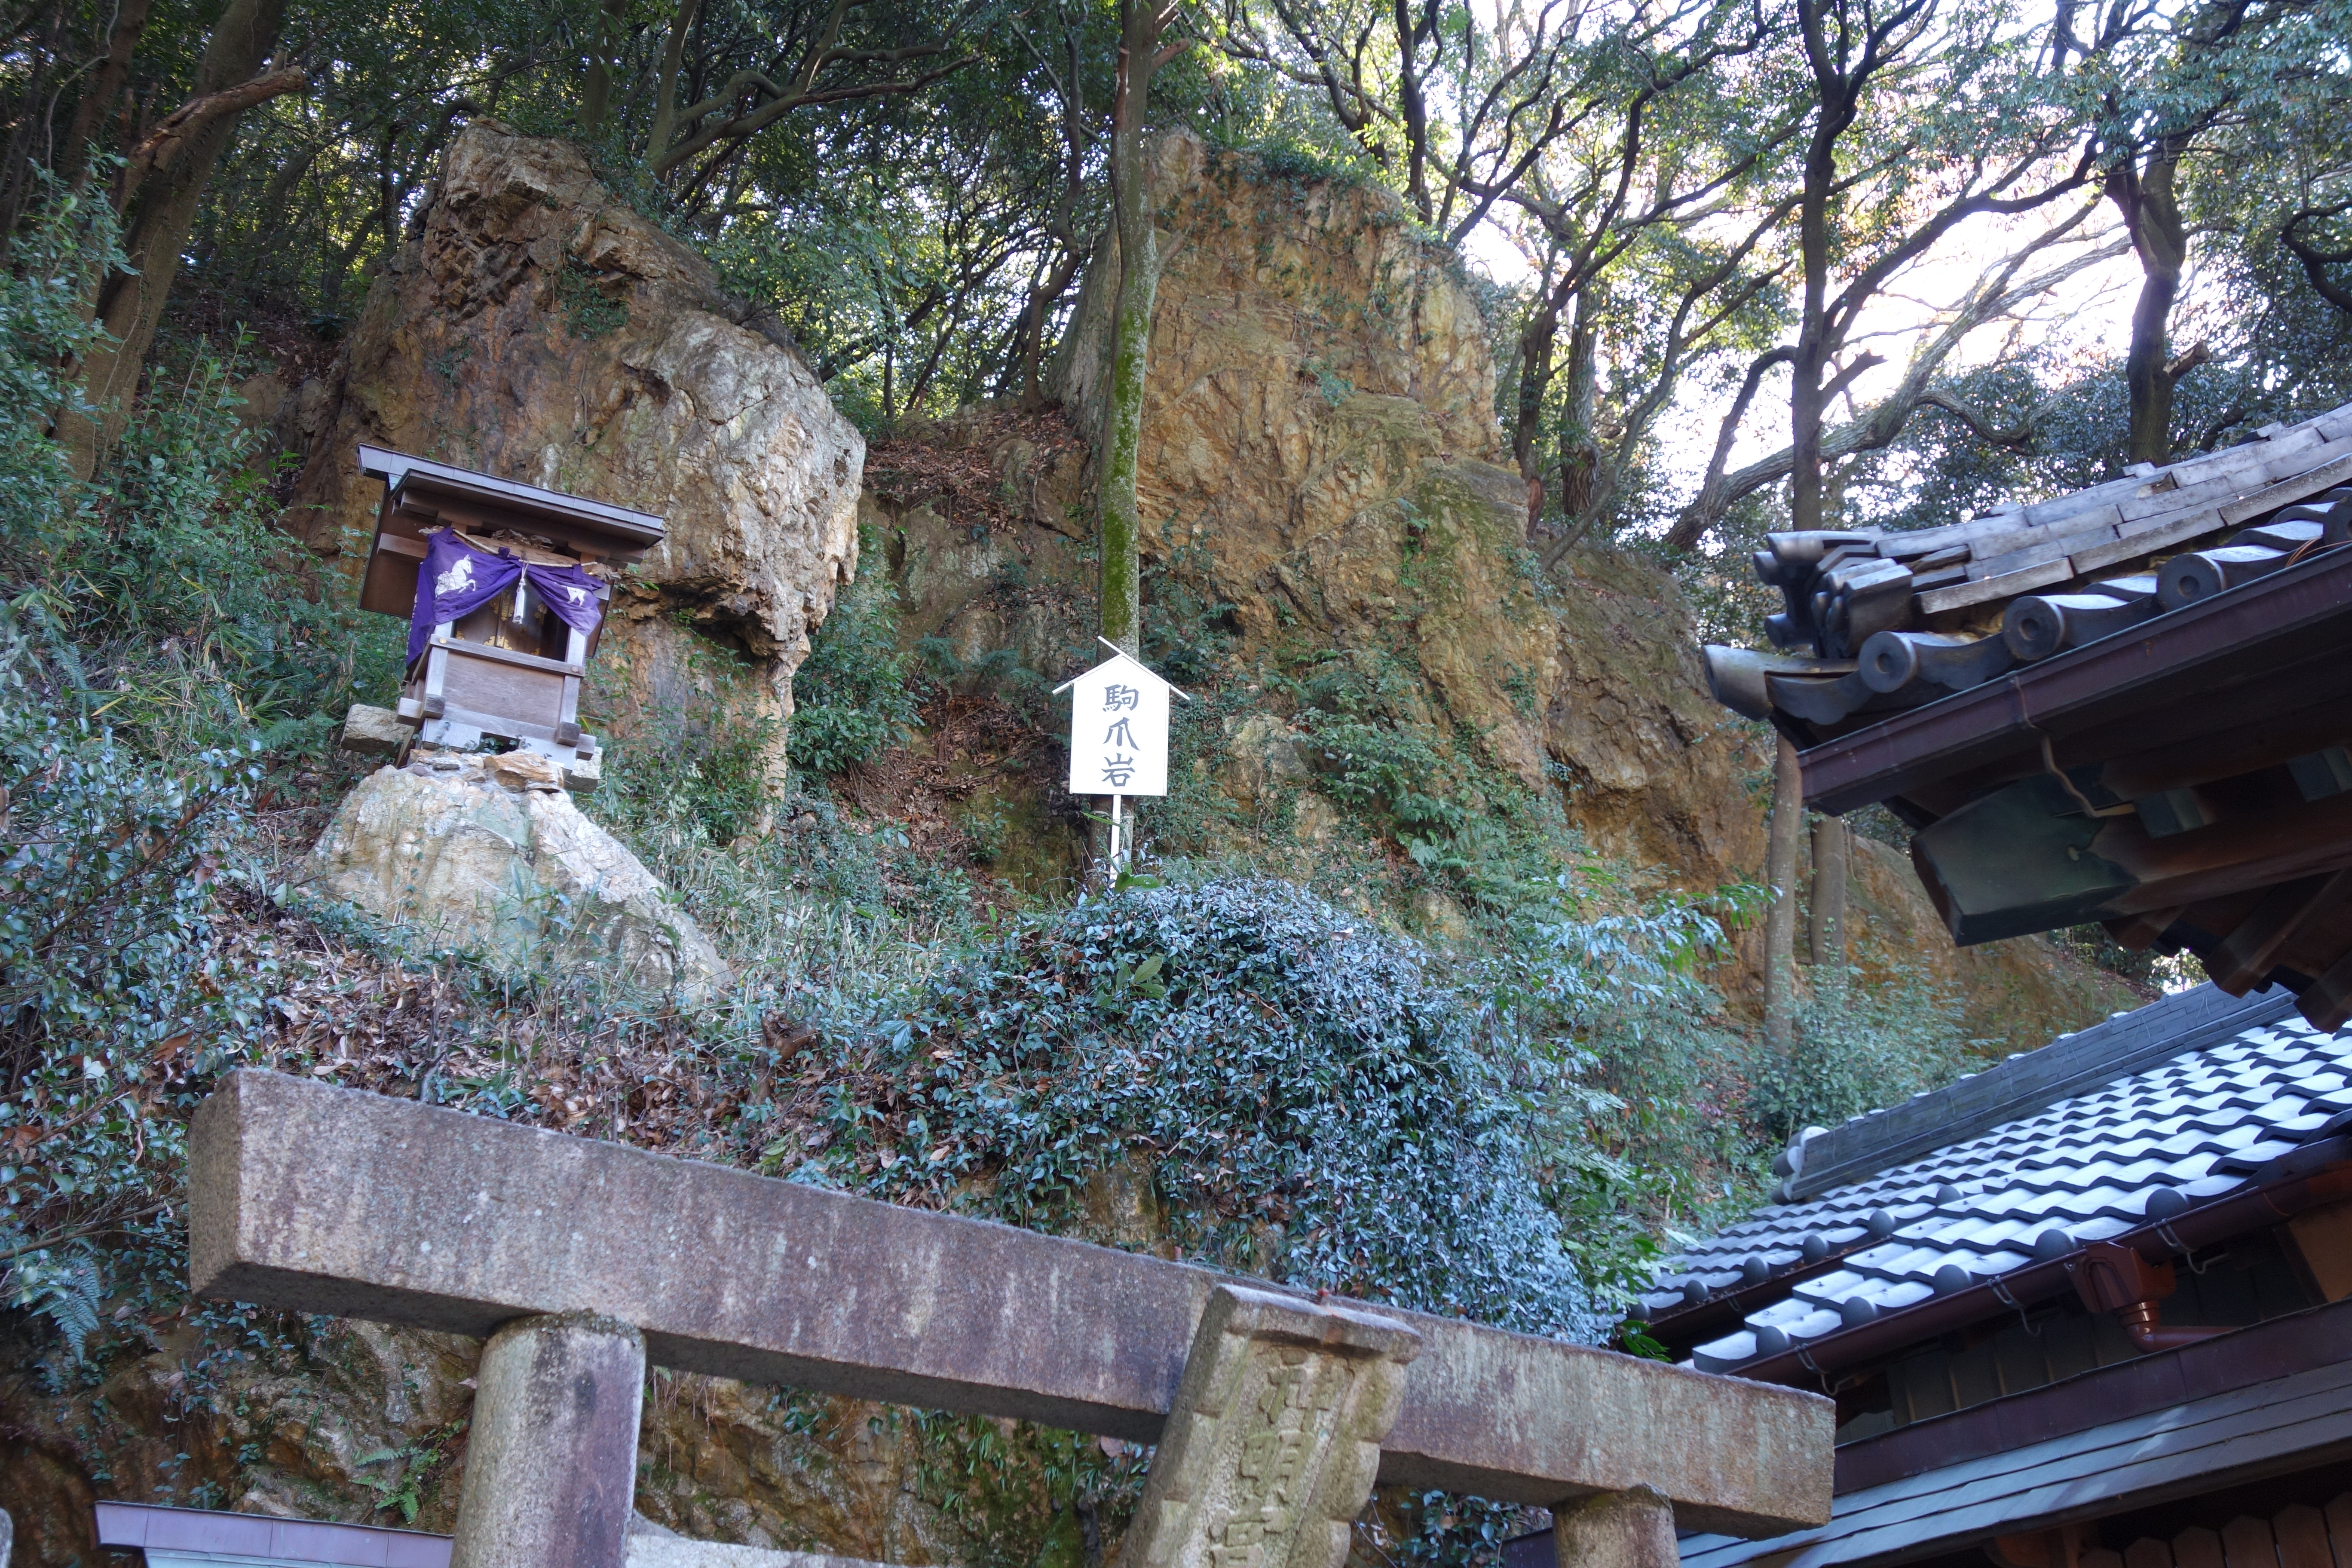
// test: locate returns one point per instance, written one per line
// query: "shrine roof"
(404, 471)
(2131, 705)
(2146, 1126)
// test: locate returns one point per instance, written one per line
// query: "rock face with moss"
(489, 854)
(535, 327)
(336, 1419)
(1321, 471)
(1320, 449)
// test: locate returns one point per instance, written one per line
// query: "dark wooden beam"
(2247, 954)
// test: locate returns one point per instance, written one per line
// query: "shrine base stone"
(482, 852)
(1273, 1440)
(551, 1456)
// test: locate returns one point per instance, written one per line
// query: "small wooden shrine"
(504, 586)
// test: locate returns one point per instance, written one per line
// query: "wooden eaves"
(421, 495)
(2252, 677)
(2186, 783)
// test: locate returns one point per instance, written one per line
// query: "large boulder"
(535, 327)
(488, 853)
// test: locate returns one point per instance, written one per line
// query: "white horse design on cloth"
(457, 579)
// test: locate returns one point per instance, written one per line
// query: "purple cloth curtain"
(456, 579)
(571, 594)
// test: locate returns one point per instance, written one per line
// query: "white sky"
(2089, 310)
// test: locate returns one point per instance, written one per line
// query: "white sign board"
(1118, 729)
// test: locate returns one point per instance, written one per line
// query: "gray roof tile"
(2195, 1122)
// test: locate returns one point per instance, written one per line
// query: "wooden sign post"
(1118, 734)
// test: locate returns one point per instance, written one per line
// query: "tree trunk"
(1806, 401)
(1122, 438)
(673, 61)
(1781, 880)
(1535, 340)
(1120, 536)
(2148, 199)
(1579, 451)
(597, 90)
(1838, 94)
(1826, 935)
(105, 87)
(1024, 376)
(157, 221)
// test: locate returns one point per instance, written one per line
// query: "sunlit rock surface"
(489, 853)
(535, 327)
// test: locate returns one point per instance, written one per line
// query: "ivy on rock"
(1314, 1103)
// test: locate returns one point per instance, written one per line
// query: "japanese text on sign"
(1119, 730)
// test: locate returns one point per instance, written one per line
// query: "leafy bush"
(106, 861)
(1312, 1101)
(158, 638)
(1854, 1049)
(55, 262)
(162, 594)
(691, 777)
(852, 699)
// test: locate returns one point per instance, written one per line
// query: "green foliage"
(420, 1465)
(1854, 1049)
(588, 312)
(158, 658)
(106, 970)
(1312, 1101)
(1451, 1532)
(1284, 159)
(1025, 1496)
(162, 598)
(56, 260)
(690, 777)
(853, 697)
(103, 889)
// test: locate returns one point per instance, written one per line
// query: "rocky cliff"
(1320, 469)
(325, 1418)
(535, 327)
(1320, 457)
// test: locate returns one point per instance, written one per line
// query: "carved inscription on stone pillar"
(1273, 1440)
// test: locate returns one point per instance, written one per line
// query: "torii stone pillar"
(1275, 1412)
(1273, 1440)
(551, 1455)
(1631, 1528)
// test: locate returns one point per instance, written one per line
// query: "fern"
(68, 1291)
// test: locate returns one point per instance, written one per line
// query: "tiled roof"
(2199, 1095)
(1879, 621)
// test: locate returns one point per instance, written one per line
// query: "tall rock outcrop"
(1320, 445)
(1320, 451)
(534, 326)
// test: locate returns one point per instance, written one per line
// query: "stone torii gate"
(1274, 1412)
